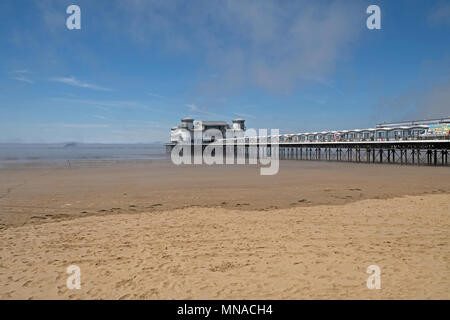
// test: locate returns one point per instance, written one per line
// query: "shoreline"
(36, 195)
(43, 219)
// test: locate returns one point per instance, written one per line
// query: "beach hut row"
(372, 134)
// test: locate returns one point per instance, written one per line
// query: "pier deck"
(407, 152)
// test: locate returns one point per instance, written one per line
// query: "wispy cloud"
(99, 117)
(440, 14)
(22, 71)
(244, 115)
(72, 81)
(21, 75)
(155, 95)
(193, 107)
(77, 125)
(285, 41)
(318, 100)
(23, 79)
(200, 111)
(427, 97)
(109, 105)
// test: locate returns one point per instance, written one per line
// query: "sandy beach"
(151, 230)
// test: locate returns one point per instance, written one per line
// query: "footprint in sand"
(27, 284)
(126, 296)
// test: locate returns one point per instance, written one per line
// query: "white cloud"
(23, 79)
(193, 107)
(100, 117)
(155, 95)
(440, 14)
(77, 83)
(202, 112)
(270, 44)
(21, 75)
(244, 115)
(22, 71)
(79, 125)
(108, 105)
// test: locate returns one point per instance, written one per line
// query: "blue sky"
(137, 66)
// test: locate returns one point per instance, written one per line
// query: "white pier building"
(184, 133)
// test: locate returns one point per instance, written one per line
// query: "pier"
(410, 152)
(421, 142)
(432, 152)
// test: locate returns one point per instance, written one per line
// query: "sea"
(66, 152)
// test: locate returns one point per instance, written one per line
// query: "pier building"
(406, 142)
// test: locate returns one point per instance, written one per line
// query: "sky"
(137, 67)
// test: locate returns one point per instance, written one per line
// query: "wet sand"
(149, 230)
(42, 193)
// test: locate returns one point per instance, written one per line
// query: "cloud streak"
(23, 79)
(155, 95)
(77, 83)
(22, 75)
(202, 112)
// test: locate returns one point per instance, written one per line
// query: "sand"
(37, 193)
(154, 231)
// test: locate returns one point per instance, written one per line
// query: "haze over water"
(48, 153)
